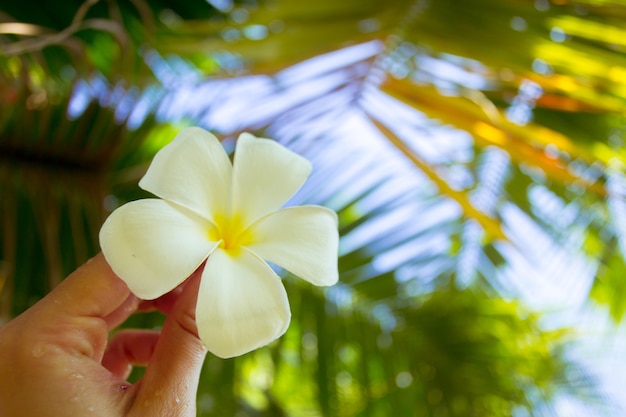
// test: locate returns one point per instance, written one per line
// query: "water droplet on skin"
(177, 400)
(38, 351)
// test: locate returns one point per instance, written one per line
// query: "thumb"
(170, 383)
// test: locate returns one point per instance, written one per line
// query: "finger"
(129, 348)
(177, 361)
(82, 303)
(120, 315)
(93, 290)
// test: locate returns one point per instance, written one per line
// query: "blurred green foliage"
(538, 88)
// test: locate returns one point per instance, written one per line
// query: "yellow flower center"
(231, 231)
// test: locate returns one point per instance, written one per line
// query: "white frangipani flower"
(229, 215)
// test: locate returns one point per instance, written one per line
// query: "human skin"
(56, 358)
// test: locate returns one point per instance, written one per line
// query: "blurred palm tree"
(473, 151)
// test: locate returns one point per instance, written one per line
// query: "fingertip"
(92, 290)
(181, 322)
(117, 317)
(180, 353)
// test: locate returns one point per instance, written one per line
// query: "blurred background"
(473, 149)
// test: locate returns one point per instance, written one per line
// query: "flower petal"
(154, 245)
(303, 240)
(242, 304)
(265, 176)
(194, 171)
